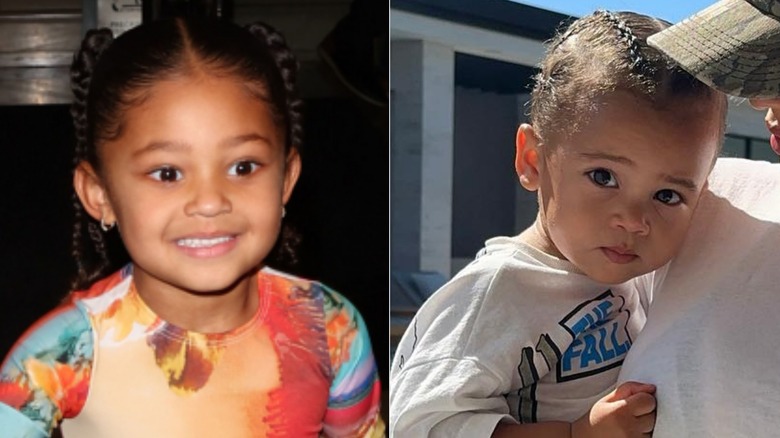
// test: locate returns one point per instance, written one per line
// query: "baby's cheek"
(674, 239)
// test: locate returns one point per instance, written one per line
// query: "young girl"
(528, 340)
(187, 146)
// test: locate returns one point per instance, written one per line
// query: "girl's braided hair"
(109, 75)
(601, 53)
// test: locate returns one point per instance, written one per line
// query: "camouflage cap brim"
(730, 45)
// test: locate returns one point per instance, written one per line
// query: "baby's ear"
(527, 157)
(89, 188)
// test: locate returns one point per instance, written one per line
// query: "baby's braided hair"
(597, 55)
(624, 32)
(109, 76)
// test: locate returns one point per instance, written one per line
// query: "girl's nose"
(632, 220)
(208, 199)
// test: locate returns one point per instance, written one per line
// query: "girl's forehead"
(220, 88)
(199, 107)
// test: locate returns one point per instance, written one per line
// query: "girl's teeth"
(202, 243)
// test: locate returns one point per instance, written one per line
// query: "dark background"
(340, 208)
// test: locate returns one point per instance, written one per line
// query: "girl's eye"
(243, 168)
(166, 174)
(602, 177)
(668, 197)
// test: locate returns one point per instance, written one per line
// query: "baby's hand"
(628, 411)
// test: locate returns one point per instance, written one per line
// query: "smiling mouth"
(203, 242)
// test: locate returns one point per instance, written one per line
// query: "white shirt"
(712, 343)
(516, 335)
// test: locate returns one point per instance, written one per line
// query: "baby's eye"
(602, 177)
(166, 174)
(668, 197)
(243, 168)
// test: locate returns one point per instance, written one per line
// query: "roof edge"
(497, 15)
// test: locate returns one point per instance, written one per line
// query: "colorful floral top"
(103, 364)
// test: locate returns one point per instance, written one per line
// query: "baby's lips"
(775, 142)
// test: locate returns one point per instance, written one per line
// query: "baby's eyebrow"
(684, 182)
(610, 157)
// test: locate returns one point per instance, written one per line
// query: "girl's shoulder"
(344, 326)
(295, 287)
(45, 376)
(64, 334)
(106, 286)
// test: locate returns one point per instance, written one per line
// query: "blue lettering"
(590, 352)
(604, 306)
(600, 315)
(594, 318)
(606, 353)
(570, 354)
(620, 349)
(583, 324)
(600, 339)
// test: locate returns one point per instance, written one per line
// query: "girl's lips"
(619, 256)
(202, 242)
(774, 140)
(206, 247)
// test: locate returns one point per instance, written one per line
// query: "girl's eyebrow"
(245, 138)
(176, 146)
(162, 146)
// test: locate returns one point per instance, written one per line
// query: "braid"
(638, 62)
(287, 66)
(596, 55)
(561, 37)
(284, 252)
(94, 44)
(91, 259)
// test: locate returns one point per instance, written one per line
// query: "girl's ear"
(92, 194)
(292, 170)
(527, 157)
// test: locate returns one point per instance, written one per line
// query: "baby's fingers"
(641, 404)
(646, 423)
